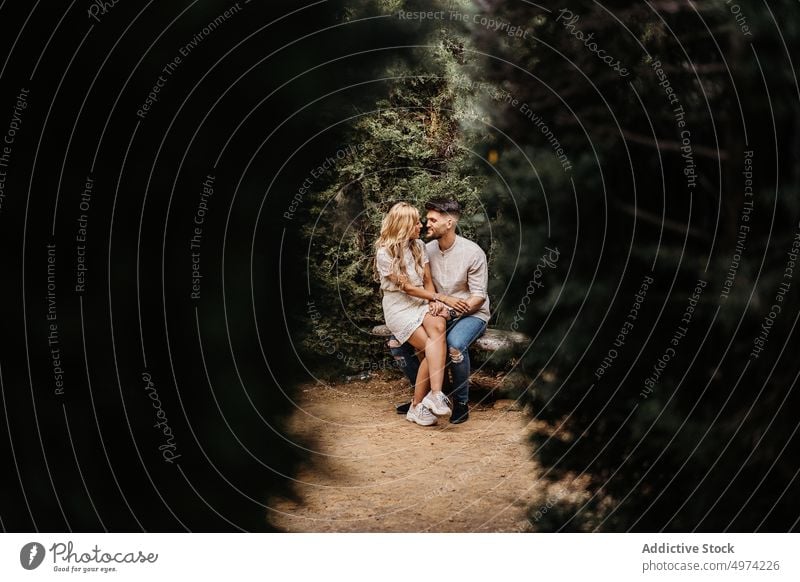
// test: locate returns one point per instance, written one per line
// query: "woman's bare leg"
(423, 385)
(435, 350)
(419, 340)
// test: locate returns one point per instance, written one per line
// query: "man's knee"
(456, 355)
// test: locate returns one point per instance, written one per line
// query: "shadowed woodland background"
(404, 109)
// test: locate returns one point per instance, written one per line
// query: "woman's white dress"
(402, 312)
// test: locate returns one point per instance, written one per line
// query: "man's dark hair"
(445, 206)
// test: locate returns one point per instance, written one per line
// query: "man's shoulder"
(467, 247)
(472, 246)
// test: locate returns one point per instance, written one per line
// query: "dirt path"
(373, 471)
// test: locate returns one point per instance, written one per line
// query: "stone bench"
(492, 340)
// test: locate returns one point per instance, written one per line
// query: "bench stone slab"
(492, 339)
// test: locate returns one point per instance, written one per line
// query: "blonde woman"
(401, 263)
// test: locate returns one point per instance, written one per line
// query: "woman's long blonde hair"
(396, 230)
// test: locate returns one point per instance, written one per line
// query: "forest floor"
(374, 471)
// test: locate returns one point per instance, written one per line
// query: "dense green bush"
(422, 140)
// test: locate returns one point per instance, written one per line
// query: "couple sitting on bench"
(434, 302)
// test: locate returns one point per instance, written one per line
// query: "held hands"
(437, 308)
(455, 303)
(445, 303)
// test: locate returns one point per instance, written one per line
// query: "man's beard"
(432, 235)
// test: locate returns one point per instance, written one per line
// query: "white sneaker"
(421, 415)
(438, 403)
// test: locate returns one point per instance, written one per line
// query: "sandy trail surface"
(373, 471)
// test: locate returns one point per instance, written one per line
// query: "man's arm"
(477, 282)
(475, 302)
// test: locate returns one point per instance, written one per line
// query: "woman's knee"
(435, 325)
